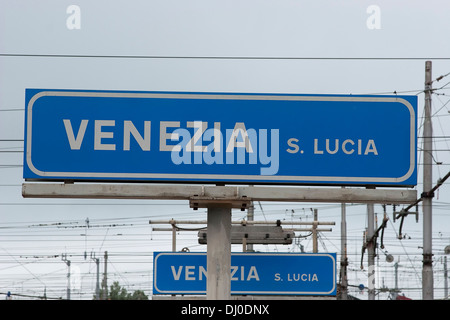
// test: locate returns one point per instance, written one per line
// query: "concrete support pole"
(371, 249)
(445, 278)
(97, 284)
(68, 279)
(427, 267)
(105, 278)
(67, 262)
(250, 217)
(174, 238)
(344, 260)
(314, 232)
(219, 254)
(396, 280)
(370, 240)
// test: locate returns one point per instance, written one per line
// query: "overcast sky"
(179, 40)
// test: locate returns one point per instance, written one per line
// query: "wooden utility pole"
(427, 268)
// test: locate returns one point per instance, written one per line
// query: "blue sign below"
(251, 273)
(220, 137)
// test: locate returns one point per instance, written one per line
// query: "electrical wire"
(183, 57)
(135, 244)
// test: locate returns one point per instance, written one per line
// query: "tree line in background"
(116, 292)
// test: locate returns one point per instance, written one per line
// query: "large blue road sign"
(220, 137)
(251, 273)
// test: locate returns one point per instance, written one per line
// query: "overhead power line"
(33, 55)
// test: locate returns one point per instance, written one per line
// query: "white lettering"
(164, 136)
(201, 273)
(253, 274)
(99, 135)
(193, 310)
(176, 275)
(305, 277)
(233, 271)
(371, 148)
(246, 309)
(189, 273)
(344, 144)
(239, 129)
(238, 273)
(316, 150)
(192, 144)
(292, 143)
(203, 145)
(336, 146)
(217, 137)
(347, 147)
(75, 143)
(130, 129)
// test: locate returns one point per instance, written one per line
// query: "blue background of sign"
(276, 272)
(389, 123)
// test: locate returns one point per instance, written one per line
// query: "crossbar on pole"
(221, 193)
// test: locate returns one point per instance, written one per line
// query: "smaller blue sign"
(251, 273)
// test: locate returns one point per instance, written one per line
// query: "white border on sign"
(220, 177)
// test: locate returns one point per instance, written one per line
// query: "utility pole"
(344, 260)
(314, 231)
(105, 278)
(64, 258)
(370, 244)
(371, 249)
(427, 268)
(97, 285)
(250, 217)
(445, 278)
(174, 236)
(396, 282)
